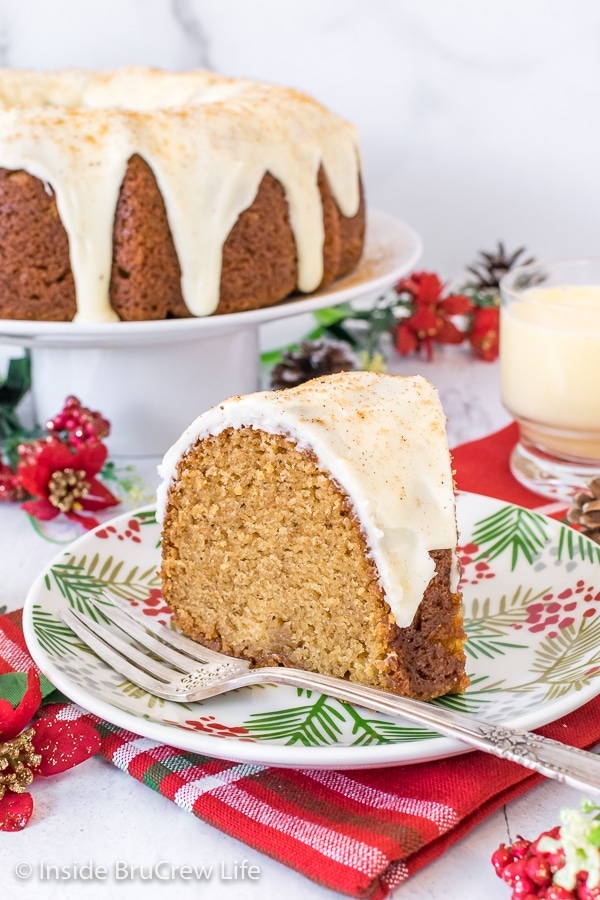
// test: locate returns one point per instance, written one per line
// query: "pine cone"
(585, 511)
(311, 359)
(489, 269)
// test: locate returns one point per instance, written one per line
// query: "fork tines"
(149, 654)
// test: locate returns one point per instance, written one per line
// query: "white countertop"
(97, 814)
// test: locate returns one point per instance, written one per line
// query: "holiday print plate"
(531, 589)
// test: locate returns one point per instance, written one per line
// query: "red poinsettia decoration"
(431, 314)
(484, 336)
(48, 747)
(58, 472)
(62, 479)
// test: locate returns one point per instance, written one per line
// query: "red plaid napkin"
(361, 833)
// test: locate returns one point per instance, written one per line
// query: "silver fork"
(179, 669)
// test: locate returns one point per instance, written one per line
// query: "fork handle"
(569, 765)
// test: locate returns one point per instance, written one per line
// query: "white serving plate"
(531, 589)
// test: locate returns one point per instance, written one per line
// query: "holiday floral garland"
(62, 468)
(418, 313)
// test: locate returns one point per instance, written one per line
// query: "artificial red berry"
(523, 887)
(520, 847)
(556, 860)
(538, 869)
(514, 872)
(556, 892)
(10, 486)
(501, 858)
(83, 425)
(583, 892)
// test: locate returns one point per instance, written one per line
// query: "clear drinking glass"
(550, 372)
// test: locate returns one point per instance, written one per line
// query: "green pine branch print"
(146, 517)
(315, 724)
(489, 645)
(380, 731)
(473, 700)
(80, 581)
(321, 722)
(573, 545)
(54, 636)
(518, 530)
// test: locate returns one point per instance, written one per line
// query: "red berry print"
(474, 567)
(130, 533)
(209, 725)
(155, 607)
(553, 611)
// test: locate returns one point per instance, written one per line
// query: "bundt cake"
(144, 194)
(316, 527)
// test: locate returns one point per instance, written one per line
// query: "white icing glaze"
(209, 141)
(383, 439)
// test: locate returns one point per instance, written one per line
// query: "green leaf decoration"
(315, 334)
(77, 587)
(54, 636)
(487, 629)
(316, 724)
(573, 545)
(17, 382)
(13, 686)
(518, 530)
(12, 390)
(331, 315)
(270, 358)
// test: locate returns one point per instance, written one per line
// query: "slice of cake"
(315, 527)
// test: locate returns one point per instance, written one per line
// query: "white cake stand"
(151, 379)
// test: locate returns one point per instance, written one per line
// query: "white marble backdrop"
(480, 120)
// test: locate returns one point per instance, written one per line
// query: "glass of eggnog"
(550, 372)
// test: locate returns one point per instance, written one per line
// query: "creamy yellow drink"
(550, 359)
